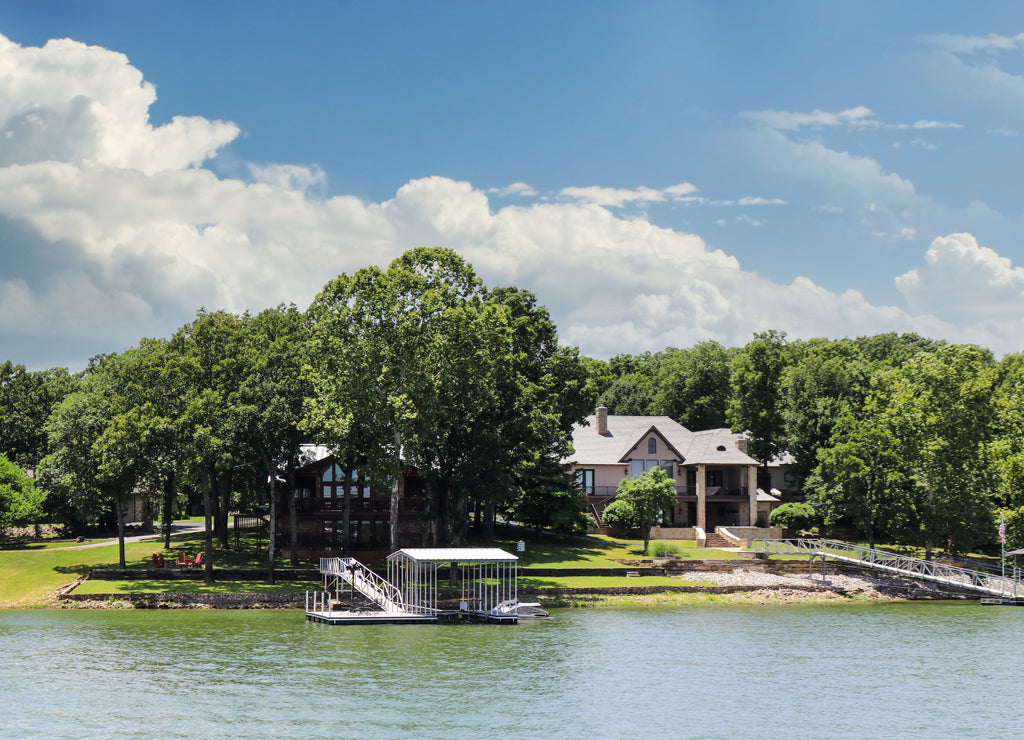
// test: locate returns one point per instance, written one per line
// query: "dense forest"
(902, 438)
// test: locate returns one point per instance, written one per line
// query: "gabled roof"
(710, 447)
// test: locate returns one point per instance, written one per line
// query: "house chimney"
(741, 444)
(601, 416)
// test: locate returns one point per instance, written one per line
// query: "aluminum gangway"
(952, 576)
(378, 590)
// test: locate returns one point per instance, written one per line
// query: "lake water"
(891, 670)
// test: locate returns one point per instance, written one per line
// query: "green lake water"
(872, 671)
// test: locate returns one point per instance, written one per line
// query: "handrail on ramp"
(379, 590)
(889, 562)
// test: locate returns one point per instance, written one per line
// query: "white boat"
(521, 609)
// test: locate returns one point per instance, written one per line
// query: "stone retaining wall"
(210, 601)
(197, 574)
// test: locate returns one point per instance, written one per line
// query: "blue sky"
(658, 173)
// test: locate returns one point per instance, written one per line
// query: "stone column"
(702, 498)
(752, 492)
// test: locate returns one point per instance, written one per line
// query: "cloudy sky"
(657, 174)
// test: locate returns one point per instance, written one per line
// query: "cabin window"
(652, 446)
(328, 475)
(585, 480)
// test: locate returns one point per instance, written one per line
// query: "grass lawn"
(31, 571)
(597, 551)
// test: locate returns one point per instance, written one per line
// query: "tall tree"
(269, 399)
(20, 501)
(939, 406)
(409, 353)
(694, 385)
(756, 405)
(26, 401)
(207, 354)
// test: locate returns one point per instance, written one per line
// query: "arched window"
(652, 446)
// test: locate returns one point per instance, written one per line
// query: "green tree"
(20, 502)
(793, 516)
(410, 353)
(862, 480)
(647, 496)
(939, 407)
(826, 381)
(208, 359)
(268, 403)
(693, 386)
(26, 401)
(756, 405)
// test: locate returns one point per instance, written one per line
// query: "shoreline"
(740, 586)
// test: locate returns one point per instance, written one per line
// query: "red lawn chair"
(195, 563)
(182, 560)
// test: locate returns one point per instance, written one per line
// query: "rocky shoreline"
(738, 585)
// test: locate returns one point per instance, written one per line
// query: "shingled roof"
(710, 447)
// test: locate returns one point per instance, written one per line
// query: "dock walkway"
(951, 576)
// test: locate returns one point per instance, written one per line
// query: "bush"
(619, 513)
(793, 516)
(664, 550)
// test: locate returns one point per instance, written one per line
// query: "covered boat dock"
(422, 585)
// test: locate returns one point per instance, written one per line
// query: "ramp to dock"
(951, 576)
(365, 581)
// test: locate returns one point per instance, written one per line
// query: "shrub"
(793, 516)
(664, 550)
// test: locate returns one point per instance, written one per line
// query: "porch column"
(752, 492)
(702, 498)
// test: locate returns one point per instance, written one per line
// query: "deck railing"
(930, 570)
(365, 581)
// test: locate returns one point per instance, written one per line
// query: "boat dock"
(486, 579)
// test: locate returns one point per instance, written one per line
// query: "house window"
(652, 446)
(585, 480)
(666, 465)
(639, 467)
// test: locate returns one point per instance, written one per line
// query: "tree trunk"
(429, 534)
(272, 534)
(489, 513)
(444, 519)
(119, 510)
(208, 514)
(293, 522)
(168, 508)
(461, 517)
(396, 494)
(225, 506)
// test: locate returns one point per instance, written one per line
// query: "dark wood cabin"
(319, 512)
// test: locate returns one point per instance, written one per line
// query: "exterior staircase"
(717, 541)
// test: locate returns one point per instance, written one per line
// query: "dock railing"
(981, 581)
(365, 581)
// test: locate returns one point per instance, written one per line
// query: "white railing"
(929, 570)
(365, 581)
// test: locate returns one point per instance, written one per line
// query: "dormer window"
(652, 446)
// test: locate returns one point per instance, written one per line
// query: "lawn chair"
(197, 562)
(182, 560)
(158, 560)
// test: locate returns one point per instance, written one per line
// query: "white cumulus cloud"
(122, 233)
